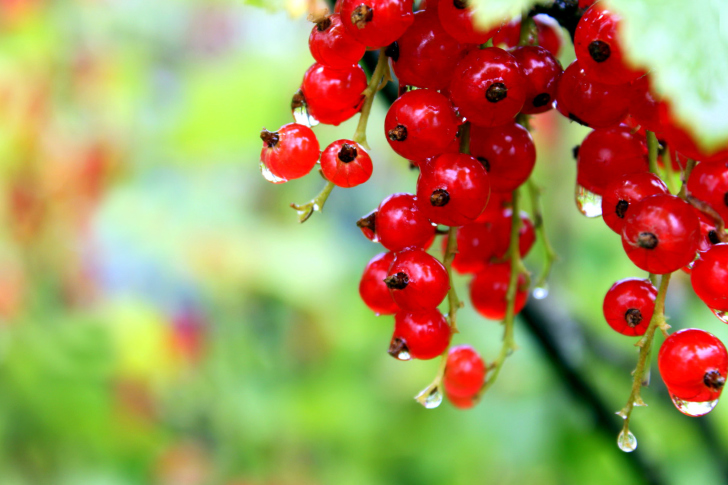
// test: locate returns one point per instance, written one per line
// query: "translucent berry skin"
(497, 202)
(389, 19)
(464, 372)
(459, 23)
(453, 190)
(460, 402)
(417, 280)
(420, 124)
(692, 363)
(661, 234)
(709, 277)
(488, 86)
(333, 95)
(542, 71)
(426, 54)
(346, 164)
(372, 289)
(331, 45)
(709, 183)
(708, 235)
(629, 305)
(590, 103)
(424, 334)
(609, 154)
(368, 225)
(549, 34)
(401, 224)
(620, 194)
(644, 105)
(488, 291)
(597, 48)
(291, 152)
(507, 152)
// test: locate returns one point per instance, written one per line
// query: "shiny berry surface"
(507, 153)
(420, 124)
(709, 277)
(693, 365)
(629, 305)
(644, 105)
(346, 163)
(464, 371)
(426, 55)
(422, 335)
(289, 153)
(661, 234)
(417, 280)
(590, 103)
(709, 183)
(607, 155)
(460, 402)
(488, 87)
(456, 17)
(401, 224)
(333, 95)
(620, 194)
(488, 291)
(331, 45)
(372, 289)
(453, 190)
(548, 31)
(376, 23)
(542, 71)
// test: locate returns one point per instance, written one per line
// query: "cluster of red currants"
(461, 118)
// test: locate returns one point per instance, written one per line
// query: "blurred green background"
(164, 319)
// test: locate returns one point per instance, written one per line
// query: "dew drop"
(626, 442)
(722, 315)
(301, 116)
(588, 203)
(693, 409)
(403, 355)
(269, 176)
(430, 397)
(621, 414)
(541, 292)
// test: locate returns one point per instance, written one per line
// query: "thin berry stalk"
(550, 255)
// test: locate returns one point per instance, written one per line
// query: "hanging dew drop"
(541, 292)
(693, 409)
(588, 203)
(430, 398)
(269, 176)
(403, 355)
(722, 315)
(626, 442)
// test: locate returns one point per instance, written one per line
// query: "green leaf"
(685, 46)
(492, 13)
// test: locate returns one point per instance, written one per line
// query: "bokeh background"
(165, 320)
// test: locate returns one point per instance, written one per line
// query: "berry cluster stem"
(669, 172)
(550, 255)
(452, 297)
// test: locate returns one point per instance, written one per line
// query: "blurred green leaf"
(491, 13)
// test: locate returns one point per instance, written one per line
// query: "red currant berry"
(501, 230)
(331, 45)
(709, 183)
(461, 402)
(426, 56)
(644, 105)
(372, 289)
(488, 87)
(661, 234)
(453, 190)
(629, 305)
(289, 153)
(497, 202)
(542, 71)
(401, 224)
(368, 225)
(597, 48)
(549, 34)
(417, 280)
(420, 124)
(709, 233)
(620, 194)
(456, 17)
(489, 287)
(376, 23)
(609, 154)
(507, 153)
(709, 277)
(346, 164)
(693, 365)
(680, 138)
(419, 335)
(464, 372)
(333, 95)
(588, 102)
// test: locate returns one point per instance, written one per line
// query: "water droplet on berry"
(722, 315)
(693, 409)
(626, 442)
(588, 203)
(268, 175)
(621, 414)
(301, 116)
(541, 292)
(430, 397)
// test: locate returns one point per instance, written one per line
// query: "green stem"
(652, 147)
(669, 172)
(550, 255)
(452, 297)
(465, 138)
(689, 166)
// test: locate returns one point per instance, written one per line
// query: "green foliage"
(491, 13)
